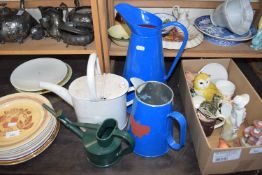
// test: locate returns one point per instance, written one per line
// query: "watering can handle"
(183, 28)
(93, 69)
(128, 139)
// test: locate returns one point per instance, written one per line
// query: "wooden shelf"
(182, 3)
(205, 49)
(46, 46)
(36, 3)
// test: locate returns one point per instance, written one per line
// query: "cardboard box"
(211, 159)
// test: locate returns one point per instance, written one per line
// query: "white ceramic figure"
(226, 88)
(238, 113)
(181, 15)
(228, 131)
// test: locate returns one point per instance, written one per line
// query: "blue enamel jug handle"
(183, 28)
(182, 123)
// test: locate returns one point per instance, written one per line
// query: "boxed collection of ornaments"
(223, 114)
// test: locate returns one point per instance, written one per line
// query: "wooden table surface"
(66, 154)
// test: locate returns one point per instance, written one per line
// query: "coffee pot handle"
(183, 45)
(182, 123)
(128, 139)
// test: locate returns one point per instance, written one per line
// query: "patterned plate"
(22, 119)
(205, 25)
(36, 152)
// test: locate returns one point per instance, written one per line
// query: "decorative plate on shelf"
(26, 76)
(174, 39)
(165, 18)
(205, 25)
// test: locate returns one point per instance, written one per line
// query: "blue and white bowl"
(221, 42)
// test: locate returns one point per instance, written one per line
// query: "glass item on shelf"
(257, 40)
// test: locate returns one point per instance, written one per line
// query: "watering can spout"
(139, 21)
(59, 90)
(63, 119)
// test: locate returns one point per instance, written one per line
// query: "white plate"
(165, 17)
(216, 71)
(61, 83)
(27, 76)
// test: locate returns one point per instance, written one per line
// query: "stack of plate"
(219, 35)
(26, 77)
(26, 128)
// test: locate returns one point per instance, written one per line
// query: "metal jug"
(145, 53)
(103, 143)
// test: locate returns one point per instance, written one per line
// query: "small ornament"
(239, 110)
(222, 144)
(257, 40)
(253, 134)
(204, 87)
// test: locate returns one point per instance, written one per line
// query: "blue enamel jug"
(145, 59)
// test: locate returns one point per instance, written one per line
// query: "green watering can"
(102, 142)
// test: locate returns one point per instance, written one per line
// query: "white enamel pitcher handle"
(93, 69)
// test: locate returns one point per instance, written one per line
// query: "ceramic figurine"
(174, 37)
(253, 134)
(197, 101)
(190, 78)
(222, 144)
(228, 129)
(211, 107)
(239, 111)
(181, 16)
(257, 40)
(204, 87)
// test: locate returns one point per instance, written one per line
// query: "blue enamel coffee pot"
(145, 58)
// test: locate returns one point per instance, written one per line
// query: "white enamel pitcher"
(97, 96)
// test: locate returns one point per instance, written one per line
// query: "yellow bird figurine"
(204, 87)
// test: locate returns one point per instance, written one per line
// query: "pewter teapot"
(78, 28)
(52, 18)
(81, 15)
(15, 24)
